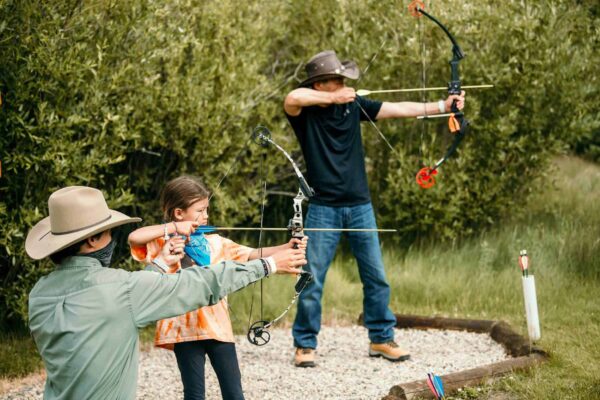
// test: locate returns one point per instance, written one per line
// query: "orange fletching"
(453, 124)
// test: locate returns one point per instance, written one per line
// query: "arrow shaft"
(364, 92)
(232, 228)
(435, 116)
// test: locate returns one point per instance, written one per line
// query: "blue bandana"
(197, 248)
(104, 255)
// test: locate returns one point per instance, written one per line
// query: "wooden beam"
(470, 377)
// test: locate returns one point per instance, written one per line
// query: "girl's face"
(198, 212)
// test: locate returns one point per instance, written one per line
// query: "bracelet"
(166, 236)
(265, 266)
(442, 106)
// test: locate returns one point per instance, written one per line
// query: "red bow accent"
(426, 177)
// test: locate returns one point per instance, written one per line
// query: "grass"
(479, 278)
(18, 355)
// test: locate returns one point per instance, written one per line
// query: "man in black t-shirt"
(326, 116)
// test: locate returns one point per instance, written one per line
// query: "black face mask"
(103, 255)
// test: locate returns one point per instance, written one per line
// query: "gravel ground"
(344, 371)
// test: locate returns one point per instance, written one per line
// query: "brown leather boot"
(304, 357)
(390, 351)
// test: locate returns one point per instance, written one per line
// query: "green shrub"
(125, 95)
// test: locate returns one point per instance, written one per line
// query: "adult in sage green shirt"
(85, 317)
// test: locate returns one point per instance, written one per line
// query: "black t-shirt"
(330, 139)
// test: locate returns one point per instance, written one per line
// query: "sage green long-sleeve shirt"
(85, 318)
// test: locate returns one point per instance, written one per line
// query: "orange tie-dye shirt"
(210, 322)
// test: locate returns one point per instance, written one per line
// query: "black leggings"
(191, 357)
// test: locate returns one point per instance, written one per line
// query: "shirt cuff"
(160, 264)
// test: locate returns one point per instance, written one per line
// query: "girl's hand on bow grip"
(300, 243)
(185, 228)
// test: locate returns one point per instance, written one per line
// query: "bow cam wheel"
(261, 135)
(426, 177)
(415, 6)
(258, 335)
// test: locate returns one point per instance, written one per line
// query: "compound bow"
(258, 333)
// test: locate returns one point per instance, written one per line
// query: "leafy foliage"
(124, 95)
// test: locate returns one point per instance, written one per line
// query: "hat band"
(84, 228)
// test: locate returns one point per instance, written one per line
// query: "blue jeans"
(191, 357)
(379, 319)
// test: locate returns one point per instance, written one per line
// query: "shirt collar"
(78, 262)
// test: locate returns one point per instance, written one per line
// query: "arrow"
(435, 385)
(524, 262)
(437, 382)
(209, 229)
(435, 116)
(365, 92)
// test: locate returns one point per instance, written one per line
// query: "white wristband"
(272, 265)
(442, 106)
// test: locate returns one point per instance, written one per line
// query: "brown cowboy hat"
(326, 65)
(76, 213)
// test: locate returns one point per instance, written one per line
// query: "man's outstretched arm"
(413, 109)
(154, 296)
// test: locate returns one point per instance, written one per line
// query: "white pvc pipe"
(531, 308)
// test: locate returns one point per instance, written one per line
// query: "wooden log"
(471, 377)
(515, 344)
(404, 321)
(500, 331)
(455, 324)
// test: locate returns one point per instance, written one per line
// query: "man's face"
(329, 85)
(96, 243)
(105, 239)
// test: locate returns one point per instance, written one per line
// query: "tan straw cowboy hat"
(326, 65)
(76, 213)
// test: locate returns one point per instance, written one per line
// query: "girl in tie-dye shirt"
(207, 330)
